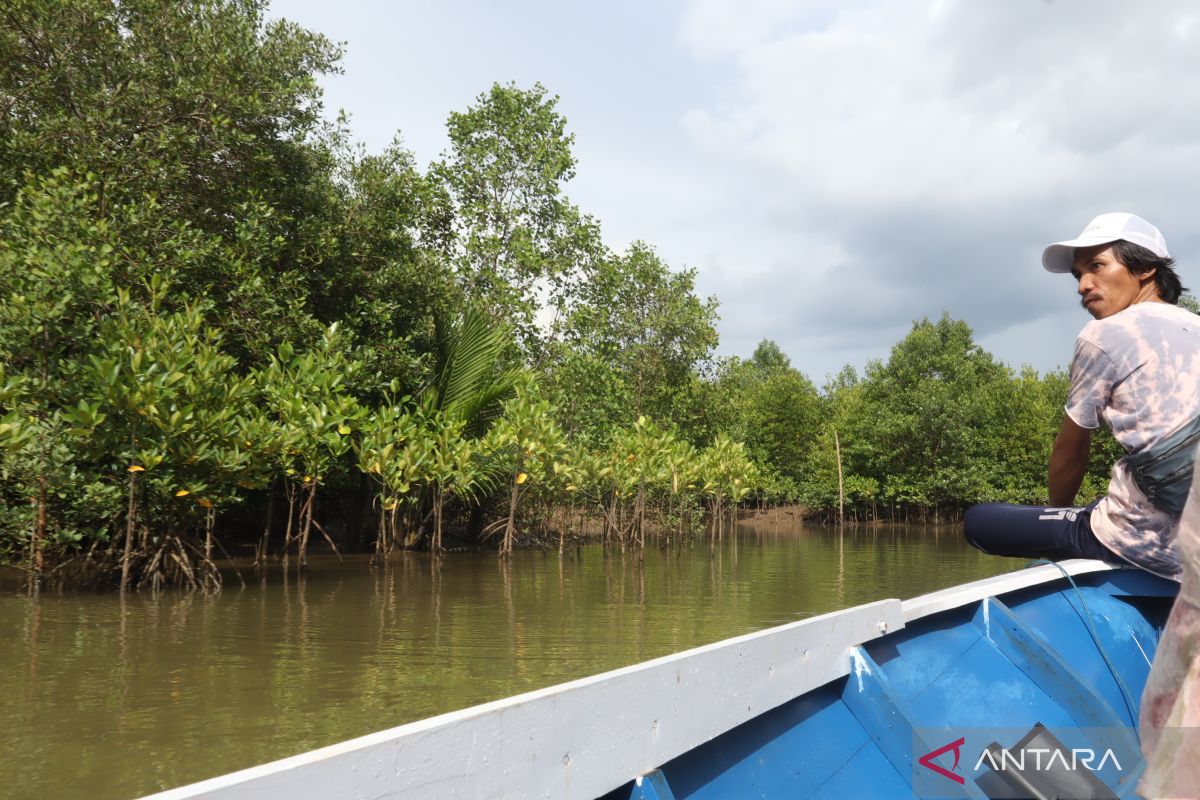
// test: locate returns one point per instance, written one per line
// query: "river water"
(108, 698)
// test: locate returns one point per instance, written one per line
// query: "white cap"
(1060, 257)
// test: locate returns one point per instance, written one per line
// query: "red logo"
(927, 760)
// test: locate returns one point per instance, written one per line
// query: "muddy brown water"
(108, 698)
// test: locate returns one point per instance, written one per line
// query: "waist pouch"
(1163, 471)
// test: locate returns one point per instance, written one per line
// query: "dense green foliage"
(213, 307)
(936, 427)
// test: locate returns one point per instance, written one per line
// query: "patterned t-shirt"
(1137, 371)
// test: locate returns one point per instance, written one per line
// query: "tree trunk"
(38, 545)
(38, 548)
(130, 516)
(642, 516)
(209, 519)
(306, 515)
(287, 535)
(510, 525)
(393, 527)
(380, 533)
(438, 500)
(260, 557)
(841, 487)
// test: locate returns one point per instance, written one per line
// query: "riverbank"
(775, 515)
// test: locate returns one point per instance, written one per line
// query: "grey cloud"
(832, 169)
(938, 165)
(1093, 75)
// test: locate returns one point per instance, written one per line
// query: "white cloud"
(833, 168)
(932, 148)
(713, 29)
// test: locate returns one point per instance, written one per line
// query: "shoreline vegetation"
(225, 327)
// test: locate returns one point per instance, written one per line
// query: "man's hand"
(1068, 463)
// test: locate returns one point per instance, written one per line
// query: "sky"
(832, 169)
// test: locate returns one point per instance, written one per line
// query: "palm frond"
(471, 383)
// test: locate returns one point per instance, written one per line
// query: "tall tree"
(633, 341)
(768, 358)
(214, 114)
(773, 408)
(517, 237)
(201, 103)
(385, 275)
(936, 431)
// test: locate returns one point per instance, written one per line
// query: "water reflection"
(112, 697)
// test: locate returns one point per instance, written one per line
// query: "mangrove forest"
(227, 330)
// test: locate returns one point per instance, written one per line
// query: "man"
(1136, 368)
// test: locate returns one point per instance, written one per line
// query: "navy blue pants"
(1001, 529)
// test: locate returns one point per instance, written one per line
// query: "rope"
(1087, 618)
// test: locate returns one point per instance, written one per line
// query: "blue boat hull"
(984, 672)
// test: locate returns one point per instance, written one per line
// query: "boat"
(1022, 685)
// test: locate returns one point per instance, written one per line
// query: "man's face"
(1106, 286)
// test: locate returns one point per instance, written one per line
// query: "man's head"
(1118, 260)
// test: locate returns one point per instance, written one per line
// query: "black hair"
(1138, 259)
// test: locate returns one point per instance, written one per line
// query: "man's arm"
(1068, 462)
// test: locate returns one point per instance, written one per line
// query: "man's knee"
(979, 525)
(974, 515)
